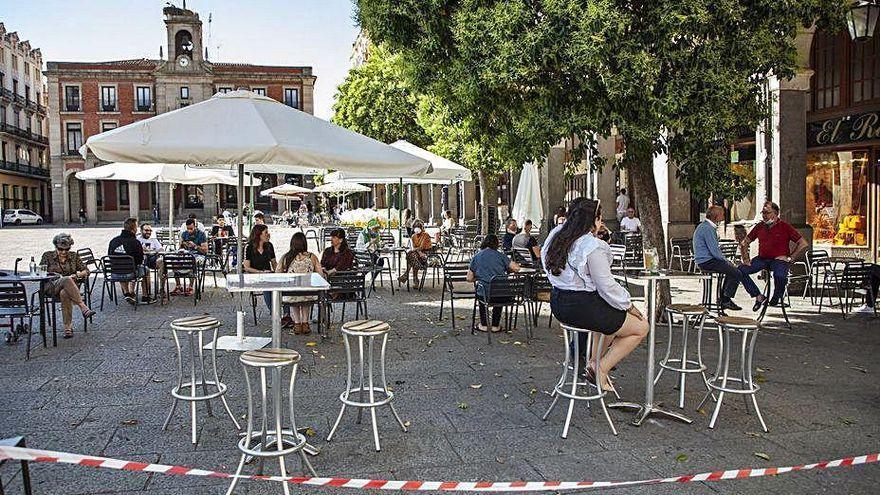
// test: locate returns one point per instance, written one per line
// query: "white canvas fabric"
(162, 172)
(527, 204)
(285, 190)
(241, 127)
(443, 171)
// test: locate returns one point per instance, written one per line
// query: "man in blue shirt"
(708, 256)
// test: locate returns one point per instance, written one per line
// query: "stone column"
(789, 173)
(134, 199)
(606, 192)
(209, 201)
(92, 201)
(164, 198)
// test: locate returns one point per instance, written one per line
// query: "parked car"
(19, 217)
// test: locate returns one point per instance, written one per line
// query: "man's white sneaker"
(864, 309)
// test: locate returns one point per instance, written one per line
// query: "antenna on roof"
(210, 15)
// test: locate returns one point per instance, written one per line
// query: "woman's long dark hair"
(579, 221)
(297, 245)
(340, 234)
(254, 237)
(490, 241)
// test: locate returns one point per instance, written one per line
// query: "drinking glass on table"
(43, 270)
(651, 261)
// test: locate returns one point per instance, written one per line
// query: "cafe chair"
(455, 285)
(182, 266)
(346, 287)
(272, 440)
(370, 394)
(504, 292)
(692, 317)
(721, 381)
(681, 251)
(119, 268)
(572, 384)
(367, 264)
(14, 307)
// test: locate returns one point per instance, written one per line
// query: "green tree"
(376, 100)
(676, 76)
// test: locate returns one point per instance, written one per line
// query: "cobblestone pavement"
(474, 409)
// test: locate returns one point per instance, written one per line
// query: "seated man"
(708, 256)
(192, 216)
(525, 240)
(219, 231)
(774, 236)
(195, 242)
(152, 248)
(630, 223)
(510, 231)
(126, 243)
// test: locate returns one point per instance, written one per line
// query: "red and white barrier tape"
(34, 455)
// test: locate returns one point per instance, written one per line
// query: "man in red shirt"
(774, 237)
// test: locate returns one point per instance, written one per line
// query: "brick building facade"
(24, 170)
(86, 98)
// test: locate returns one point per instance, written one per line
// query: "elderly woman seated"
(65, 288)
(417, 256)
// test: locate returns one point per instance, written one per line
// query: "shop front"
(843, 184)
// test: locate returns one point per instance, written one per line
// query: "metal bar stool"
(288, 441)
(690, 314)
(194, 327)
(570, 380)
(712, 287)
(366, 330)
(748, 328)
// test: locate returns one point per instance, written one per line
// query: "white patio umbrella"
(341, 187)
(285, 190)
(444, 171)
(256, 133)
(170, 173)
(527, 204)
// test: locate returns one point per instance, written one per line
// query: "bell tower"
(185, 49)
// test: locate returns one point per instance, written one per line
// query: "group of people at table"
(575, 255)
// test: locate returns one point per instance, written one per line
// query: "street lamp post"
(862, 19)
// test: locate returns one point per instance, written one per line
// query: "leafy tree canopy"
(376, 100)
(677, 76)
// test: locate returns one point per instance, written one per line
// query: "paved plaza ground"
(474, 409)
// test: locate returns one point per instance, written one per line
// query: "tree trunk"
(488, 202)
(648, 205)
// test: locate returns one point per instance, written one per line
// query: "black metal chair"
(213, 263)
(346, 287)
(502, 292)
(523, 256)
(634, 257)
(730, 250)
(454, 275)
(94, 265)
(818, 266)
(539, 293)
(51, 305)
(14, 306)
(853, 283)
(182, 266)
(368, 264)
(681, 250)
(119, 268)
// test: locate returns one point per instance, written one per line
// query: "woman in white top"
(585, 294)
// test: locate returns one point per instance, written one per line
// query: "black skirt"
(586, 310)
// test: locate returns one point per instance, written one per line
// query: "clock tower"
(185, 49)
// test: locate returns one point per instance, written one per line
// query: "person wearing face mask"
(510, 232)
(417, 257)
(774, 236)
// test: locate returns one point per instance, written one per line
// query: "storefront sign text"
(842, 130)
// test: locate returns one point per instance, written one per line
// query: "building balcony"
(26, 134)
(24, 169)
(6, 94)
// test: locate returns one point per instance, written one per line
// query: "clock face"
(183, 62)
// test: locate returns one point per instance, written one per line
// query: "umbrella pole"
(171, 211)
(400, 211)
(239, 248)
